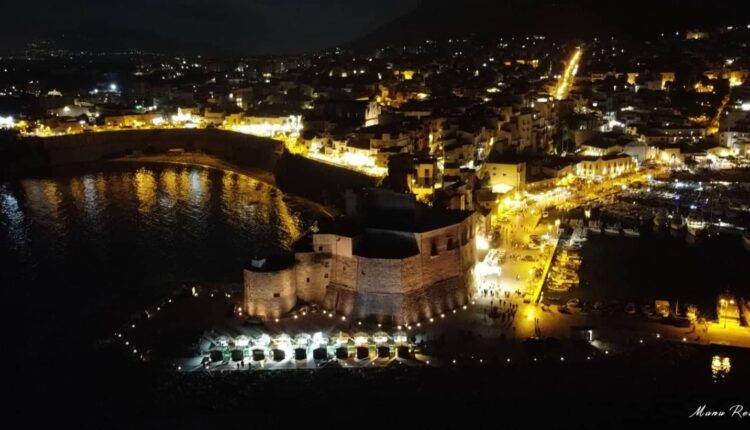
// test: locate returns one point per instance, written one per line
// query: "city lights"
(481, 204)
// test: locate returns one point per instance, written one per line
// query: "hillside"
(566, 19)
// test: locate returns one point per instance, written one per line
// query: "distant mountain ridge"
(555, 18)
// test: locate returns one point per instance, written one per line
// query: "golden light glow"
(566, 80)
(700, 88)
(482, 243)
(720, 366)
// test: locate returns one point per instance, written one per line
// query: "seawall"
(316, 181)
(241, 149)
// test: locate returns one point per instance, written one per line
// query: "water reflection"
(12, 219)
(145, 186)
(124, 224)
(720, 367)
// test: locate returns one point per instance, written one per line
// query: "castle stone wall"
(311, 276)
(377, 275)
(399, 291)
(270, 294)
(344, 271)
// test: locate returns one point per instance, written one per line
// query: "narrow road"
(565, 83)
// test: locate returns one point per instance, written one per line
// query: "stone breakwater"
(266, 158)
(241, 149)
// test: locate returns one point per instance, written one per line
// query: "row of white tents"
(316, 340)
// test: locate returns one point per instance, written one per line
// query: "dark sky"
(231, 26)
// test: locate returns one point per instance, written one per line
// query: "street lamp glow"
(482, 243)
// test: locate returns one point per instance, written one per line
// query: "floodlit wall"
(270, 294)
(312, 275)
(399, 290)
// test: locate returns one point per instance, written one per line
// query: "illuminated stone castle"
(389, 259)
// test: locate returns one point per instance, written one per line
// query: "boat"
(578, 236)
(612, 230)
(646, 215)
(660, 218)
(695, 224)
(557, 287)
(630, 309)
(677, 223)
(573, 303)
(631, 232)
(595, 226)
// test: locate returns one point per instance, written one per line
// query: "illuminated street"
(567, 78)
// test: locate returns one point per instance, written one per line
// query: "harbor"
(672, 243)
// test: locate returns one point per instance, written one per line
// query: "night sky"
(220, 26)
(247, 27)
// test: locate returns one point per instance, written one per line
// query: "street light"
(724, 305)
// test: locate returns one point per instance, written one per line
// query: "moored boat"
(677, 223)
(695, 223)
(630, 309)
(595, 226)
(631, 232)
(612, 230)
(660, 218)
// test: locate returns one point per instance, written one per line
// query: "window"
(276, 295)
(320, 248)
(326, 276)
(451, 243)
(308, 280)
(433, 248)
